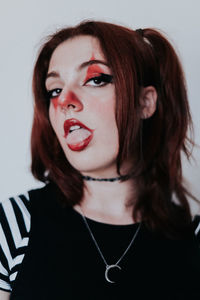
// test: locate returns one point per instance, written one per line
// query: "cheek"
(104, 110)
(52, 116)
(103, 118)
(56, 120)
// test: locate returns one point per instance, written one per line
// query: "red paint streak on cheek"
(55, 102)
(92, 71)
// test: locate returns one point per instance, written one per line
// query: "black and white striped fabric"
(197, 226)
(14, 237)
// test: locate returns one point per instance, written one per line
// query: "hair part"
(137, 59)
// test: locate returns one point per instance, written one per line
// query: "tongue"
(77, 136)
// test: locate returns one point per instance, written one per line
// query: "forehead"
(75, 51)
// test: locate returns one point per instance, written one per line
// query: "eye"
(54, 93)
(99, 81)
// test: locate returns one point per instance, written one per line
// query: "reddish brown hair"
(137, 59)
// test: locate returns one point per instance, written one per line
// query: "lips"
(78, 139)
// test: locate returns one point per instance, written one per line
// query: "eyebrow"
(54, 74)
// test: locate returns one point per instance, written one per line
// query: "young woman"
(113, 220)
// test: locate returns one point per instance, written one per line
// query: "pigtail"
(163, 180)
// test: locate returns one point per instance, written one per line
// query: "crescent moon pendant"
(108, 267)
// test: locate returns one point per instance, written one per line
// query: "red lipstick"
(77, 138)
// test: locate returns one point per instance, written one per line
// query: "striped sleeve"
(14, 235)
(196, 222)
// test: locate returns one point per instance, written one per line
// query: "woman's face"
(82, 106)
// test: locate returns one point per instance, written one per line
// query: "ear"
(148, 101)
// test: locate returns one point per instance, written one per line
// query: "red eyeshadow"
(93, 70)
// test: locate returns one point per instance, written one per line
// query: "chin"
(93, 166)
(93, 161)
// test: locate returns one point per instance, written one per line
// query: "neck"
(107, 201)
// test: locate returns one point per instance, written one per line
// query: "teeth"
(74, 127)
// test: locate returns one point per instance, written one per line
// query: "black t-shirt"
(62, 262)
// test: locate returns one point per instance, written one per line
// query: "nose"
(70, 100)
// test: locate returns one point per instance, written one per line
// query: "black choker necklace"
(124, 177)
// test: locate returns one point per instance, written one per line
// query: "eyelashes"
(53, 93)
(100, 80)
(97, 81)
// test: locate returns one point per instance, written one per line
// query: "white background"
(23, 24)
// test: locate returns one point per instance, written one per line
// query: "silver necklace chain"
(116, 265)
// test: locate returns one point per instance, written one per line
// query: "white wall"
(23, 23)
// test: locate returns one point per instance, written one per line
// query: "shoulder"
(48, 192)
(15, 212)
(14, 236)
(15, 225)
(15, 218)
